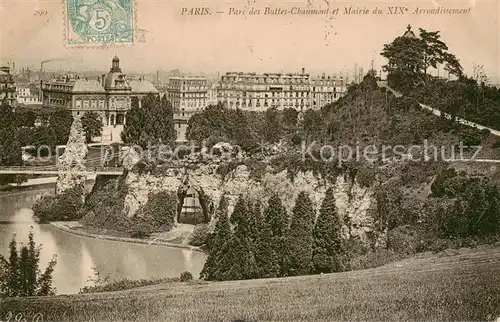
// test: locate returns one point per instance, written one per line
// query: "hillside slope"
(453, 285)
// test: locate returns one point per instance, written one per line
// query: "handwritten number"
(38, 317)
(40, 12)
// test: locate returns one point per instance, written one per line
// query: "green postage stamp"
(99, 22)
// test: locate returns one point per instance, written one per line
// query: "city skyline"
(217, 44)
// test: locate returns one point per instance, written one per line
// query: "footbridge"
(54, 170)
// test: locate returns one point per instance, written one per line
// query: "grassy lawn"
(461, 285)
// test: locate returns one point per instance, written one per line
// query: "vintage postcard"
(249, 160)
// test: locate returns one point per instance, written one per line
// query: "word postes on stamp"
(97, 22)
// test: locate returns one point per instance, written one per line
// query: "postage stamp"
(98, 22)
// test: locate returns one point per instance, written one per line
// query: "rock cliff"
(355, 203)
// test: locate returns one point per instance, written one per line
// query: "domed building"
(109, 95)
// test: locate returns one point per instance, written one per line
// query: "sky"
(249, 43)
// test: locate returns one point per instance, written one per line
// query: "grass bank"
(74, 227)
(453, 285)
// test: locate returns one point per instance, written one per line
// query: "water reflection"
(77, 256)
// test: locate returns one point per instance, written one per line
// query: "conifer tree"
(239, 212)
(327, 247)
(299, 242)
(237, 260)
(20, 274)
(220, 236)
(276, 216)
(255, 220)
(266, 256)
(276, 220)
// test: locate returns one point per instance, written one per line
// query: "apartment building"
(258, 92)
(326, 90)
(27, 94)
(188, 94)
(7, 86)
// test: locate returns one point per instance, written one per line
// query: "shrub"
(64, 207)
(403, 240)
(441, 185)
(104, 205)
(142, 229)
(366, 176)
(125, 284)
(471, 137)
(160, 210)
(186, 276)
(199, 236)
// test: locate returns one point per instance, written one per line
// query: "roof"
(87, 85)
(142, 86)
(110, 80)
(409, 33)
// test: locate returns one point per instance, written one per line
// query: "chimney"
(303, 70)
(102, 79)
(13, 67)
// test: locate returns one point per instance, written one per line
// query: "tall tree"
(25, 117)
(221, 235)
(290, 116)
(433, 49)
(150, 122)
(20, 274)
(312, 123)
(266, 255)
(209, 123)
(240, 212)
(10, 147)
(218, 123)
(327, 247)
(272, 127)
(92, 125)
(255, 220)
(60, 121)
(276, 216)
(237, 259)
(409, 58)
(276, 220)
(300, 240)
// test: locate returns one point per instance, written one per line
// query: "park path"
(437, 112)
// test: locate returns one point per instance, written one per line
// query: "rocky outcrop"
(354, 202)
(71, 164)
